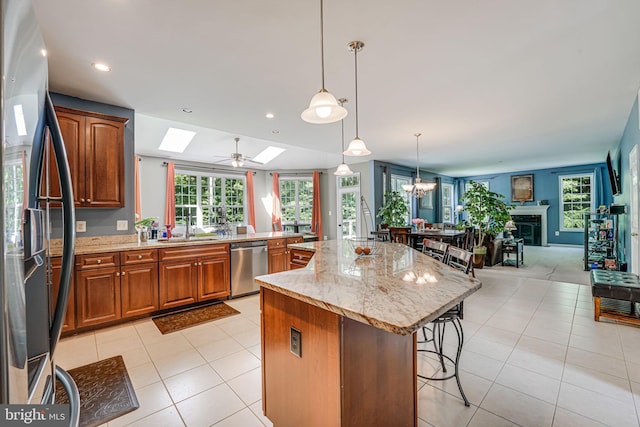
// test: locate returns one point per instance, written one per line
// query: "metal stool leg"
(439, 327)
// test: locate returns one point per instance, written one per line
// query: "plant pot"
(478, 256)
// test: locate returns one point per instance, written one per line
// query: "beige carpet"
(556, 263)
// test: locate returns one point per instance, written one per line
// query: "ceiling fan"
(237, 159)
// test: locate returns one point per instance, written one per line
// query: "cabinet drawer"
(276, 243)
(299, 258)
(139, 256)
(172, 254)
(292, 240)
(100, 260)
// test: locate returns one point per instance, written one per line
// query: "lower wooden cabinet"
(139, 289)
(189, 275)
(98, 292)
(70, 318)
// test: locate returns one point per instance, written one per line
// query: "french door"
(348, 207)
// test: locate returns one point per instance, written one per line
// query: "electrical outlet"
(557, 233)
(122, 225)
(81, 226)
(295, 342)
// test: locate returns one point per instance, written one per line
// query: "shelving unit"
(601, 241)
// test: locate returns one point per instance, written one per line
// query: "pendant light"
(419, 189)
(323, 107)
(357, 146)
(343, 168)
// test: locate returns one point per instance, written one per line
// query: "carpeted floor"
(105, 391)
(557, 263)
(194, 316)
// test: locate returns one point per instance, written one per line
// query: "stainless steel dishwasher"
(248, 260)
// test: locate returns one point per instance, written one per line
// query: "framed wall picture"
(522, 188)
(426, 202)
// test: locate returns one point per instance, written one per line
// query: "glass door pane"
(348, 224)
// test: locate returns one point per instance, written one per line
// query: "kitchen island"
(338, 336)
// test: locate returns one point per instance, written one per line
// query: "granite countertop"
(128, 242)
(397, 289)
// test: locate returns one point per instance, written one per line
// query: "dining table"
(453, 237)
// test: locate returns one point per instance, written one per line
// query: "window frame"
(199, 206)
(396, 185)
(561, 202)
(450, 205)
(297, 180)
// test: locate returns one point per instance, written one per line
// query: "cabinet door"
(72, 127)
(98, 296)
(104, 163)
(70, 317)
(213, 278)
(178, 280)
(139, 289)
(278, 260)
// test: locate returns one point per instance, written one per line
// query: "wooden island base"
(349, 373)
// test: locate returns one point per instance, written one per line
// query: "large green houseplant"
(395, 210)
(486, 212)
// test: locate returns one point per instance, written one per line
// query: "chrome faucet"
(187, 232)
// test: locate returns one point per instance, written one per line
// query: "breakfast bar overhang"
(338, 336)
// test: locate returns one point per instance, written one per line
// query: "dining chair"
(399, 234)
(276, 226)
(435, 249)
(434, 333)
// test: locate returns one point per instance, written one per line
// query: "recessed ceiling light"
(101, 67)
(269, 115)
(268, 154)
(43, 52)
(275, 131)
(176, 140)
(187, 110)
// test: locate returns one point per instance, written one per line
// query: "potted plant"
(394, 211)
(487, 213)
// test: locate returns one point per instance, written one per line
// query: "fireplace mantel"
(535, 210)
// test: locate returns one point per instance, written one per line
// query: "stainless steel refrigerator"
(32, 151)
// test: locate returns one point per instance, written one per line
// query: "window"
(397, 182)
(209, 198)
(576, 198)
(447, 203)
(296, 200)
(13, 198)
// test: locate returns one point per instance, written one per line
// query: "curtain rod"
(296, 173)
(208, 168)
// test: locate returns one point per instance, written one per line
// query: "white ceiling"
(493, 85)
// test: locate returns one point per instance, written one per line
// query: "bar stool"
(461, 260)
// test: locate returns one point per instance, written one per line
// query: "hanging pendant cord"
(417, 156)
(355, 51)
(322, 40)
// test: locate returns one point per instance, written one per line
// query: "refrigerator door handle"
(68, 229)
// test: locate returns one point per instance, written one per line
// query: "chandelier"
(419, 189)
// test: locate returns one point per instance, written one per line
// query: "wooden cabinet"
(114, 285)
(139, 282)
(278, 260)
(69, 323)
(194, 274)
(95, 150)
(299, 258)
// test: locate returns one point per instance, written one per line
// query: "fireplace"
(529, 229)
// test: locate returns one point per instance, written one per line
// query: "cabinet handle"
(195, 264)
(123, 273)
(99, 261)
(139, 256)
(117, 273)
(88, 200)
(82, 200)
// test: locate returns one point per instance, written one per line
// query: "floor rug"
(105, 391)
(173, 322)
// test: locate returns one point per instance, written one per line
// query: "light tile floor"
(533, 356)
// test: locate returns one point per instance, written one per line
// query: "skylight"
(268, 154)
(20, 124)
(176, 140)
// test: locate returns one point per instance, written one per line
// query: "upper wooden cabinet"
(95, 150)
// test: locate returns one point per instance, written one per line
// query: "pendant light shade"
(419, 189)
(323, 107)
(356, 147)
(343, 168)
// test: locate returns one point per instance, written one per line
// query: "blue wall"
(630, 138)
(546, 187)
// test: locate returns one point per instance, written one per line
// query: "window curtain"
(276, 211)
(316, 213)
(136, 178)
(251, 210)
(170, 206)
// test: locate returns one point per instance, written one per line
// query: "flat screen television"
(613, 176)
